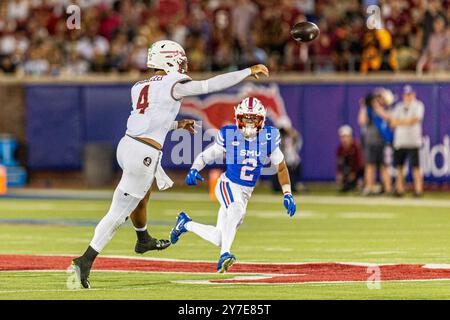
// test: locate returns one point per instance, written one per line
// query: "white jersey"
(154, 106)
(408, 136)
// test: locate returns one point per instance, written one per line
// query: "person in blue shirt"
(248, 146)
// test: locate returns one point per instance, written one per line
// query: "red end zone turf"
(273, 273)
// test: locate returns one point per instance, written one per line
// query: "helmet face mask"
(181, 64)
(168, 56)
(250, 117)
(250, 124)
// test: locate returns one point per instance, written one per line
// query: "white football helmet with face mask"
(167, 55)
(250, 116)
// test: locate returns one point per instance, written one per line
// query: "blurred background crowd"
(224, 35)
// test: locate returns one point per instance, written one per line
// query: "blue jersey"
(245, 159)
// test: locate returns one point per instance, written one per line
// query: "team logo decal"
(147, 161)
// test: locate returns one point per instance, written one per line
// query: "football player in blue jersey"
(247, 147)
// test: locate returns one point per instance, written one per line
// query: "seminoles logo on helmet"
(217, 110)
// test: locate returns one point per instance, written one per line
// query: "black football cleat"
(82, 267)
(151, 244)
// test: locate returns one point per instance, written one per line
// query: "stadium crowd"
(223, 35)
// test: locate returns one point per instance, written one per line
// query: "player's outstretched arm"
(285, 182)
(206, 157)
(217, 83)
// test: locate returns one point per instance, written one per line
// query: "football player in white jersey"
(247, 146)
(156, 102)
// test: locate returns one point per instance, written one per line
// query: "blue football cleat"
(226, 260)
(179, 228)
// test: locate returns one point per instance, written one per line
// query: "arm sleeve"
(276, 157)
(217, 83)
(212, 153)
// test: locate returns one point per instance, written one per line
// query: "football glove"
(289, 204)
(192, 176)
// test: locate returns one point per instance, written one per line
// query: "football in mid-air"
(305, 31)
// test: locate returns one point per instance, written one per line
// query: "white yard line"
(366, 215)
(313, 199)
(437, 266)
(199, 282)
(355, 263)
(314, 283)
(73, 290)
(259, 198)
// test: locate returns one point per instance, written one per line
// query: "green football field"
(331, 241)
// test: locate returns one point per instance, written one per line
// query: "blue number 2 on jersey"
(245, 159)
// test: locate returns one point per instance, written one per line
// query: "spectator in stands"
(226, 35)
(137, 57)
(273, 29)
(37, 63)
(433, 10)
(437, 53)
(407, 54)
(407, 118)
(92, 44)
(244, 14)
(374, 116)
(349, 160)
(18, 10)
(7, 65)
(75, 66)
(378, 52)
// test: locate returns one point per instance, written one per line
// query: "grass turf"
(337, 232)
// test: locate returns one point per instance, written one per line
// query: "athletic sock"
(142, 234)
(207, 232)
(90, 254)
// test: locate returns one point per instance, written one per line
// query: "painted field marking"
(244, 273)
(366, 215)
(437, 266)
(259, 198)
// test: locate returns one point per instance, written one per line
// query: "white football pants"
(138, 162)
(233, 199)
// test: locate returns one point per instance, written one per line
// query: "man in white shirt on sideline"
(407, 118)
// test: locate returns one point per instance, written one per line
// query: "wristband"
(286, 189)
(174, 125)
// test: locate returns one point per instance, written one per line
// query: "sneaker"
(82, 268)
(151, 244)
(179, 228)
(226, 260)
